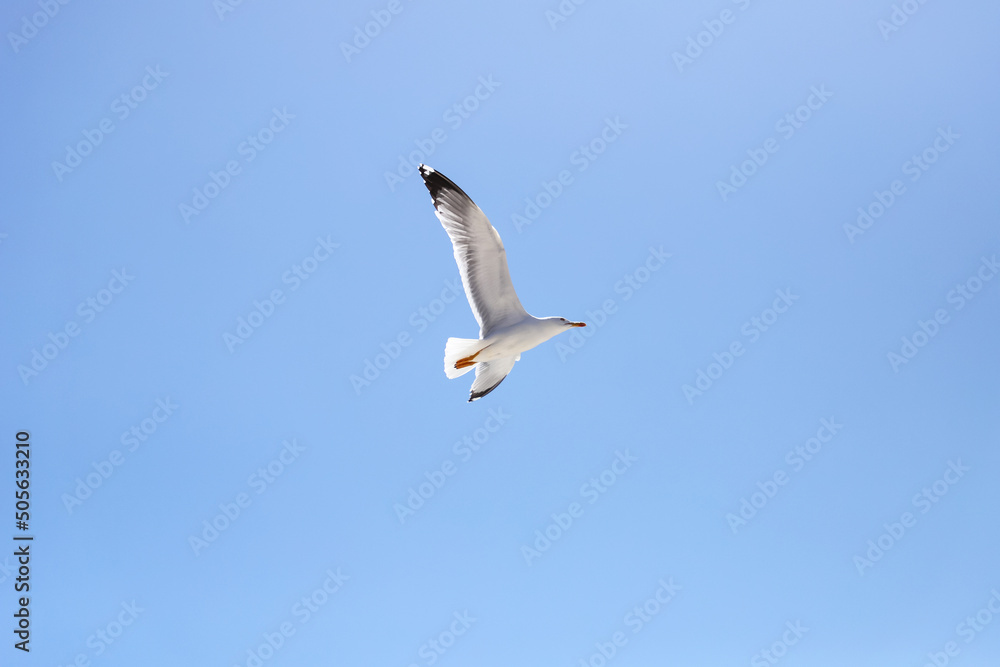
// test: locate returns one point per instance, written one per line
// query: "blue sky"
(775, 442)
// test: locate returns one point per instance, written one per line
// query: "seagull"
(506, 330)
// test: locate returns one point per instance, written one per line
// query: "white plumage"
(505, 328)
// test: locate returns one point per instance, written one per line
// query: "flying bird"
(505, 329)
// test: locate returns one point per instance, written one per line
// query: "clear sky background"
(642, 124)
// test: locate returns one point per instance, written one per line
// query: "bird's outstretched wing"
(482, 260)
(489, 375)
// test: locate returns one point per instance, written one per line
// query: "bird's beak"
(578, 324)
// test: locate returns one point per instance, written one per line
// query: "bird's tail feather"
(458, 349)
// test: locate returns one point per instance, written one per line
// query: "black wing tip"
(433, 180)
(479, 394)
(436, 182)
(432, 177)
